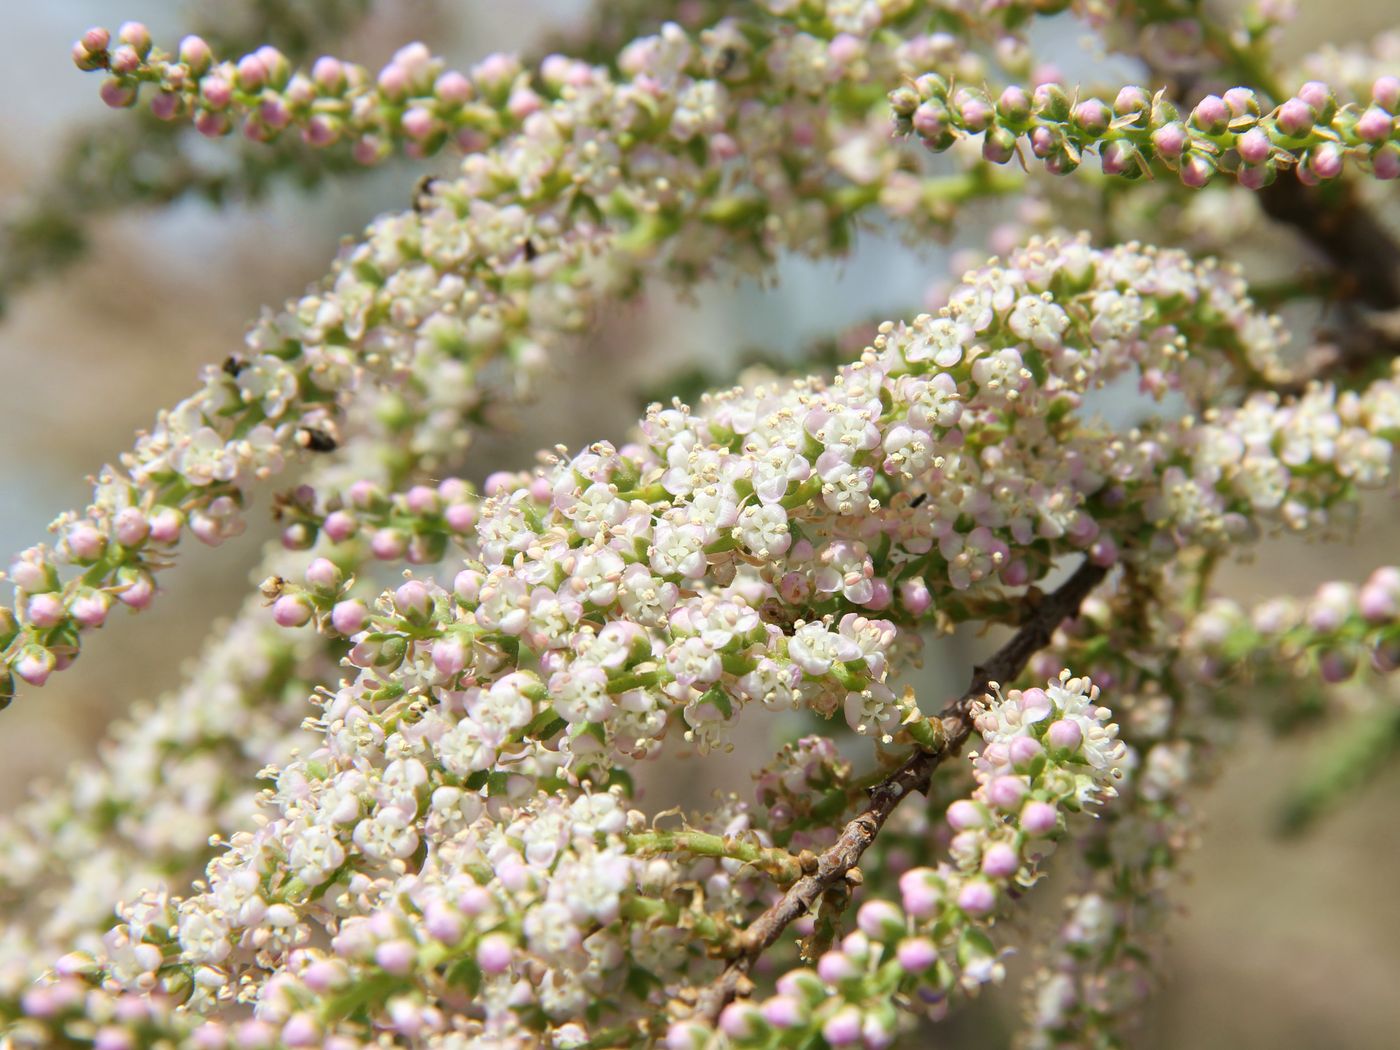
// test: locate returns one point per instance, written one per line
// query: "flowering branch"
(945, 736)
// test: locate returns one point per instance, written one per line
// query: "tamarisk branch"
(836, 862)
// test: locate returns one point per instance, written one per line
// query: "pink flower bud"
(329, 74)
(95, 39)
(1196, 170)
(1255, 146)
(85, 542)
(1211, 115)
(393, 81)
(396, 956)
(1317, 95)
(494, 953)
(977, 898)
(251, 73)
(349, 617)
(1038, 818)
(137, 588)
(1295, 117)
(1025, 750)
(418, 123)
(460, 517)
(1325, 161)
(1375, 124)
(834, 967)
(413, 600)
(130, 527)
(135, 36)
(920, 893)
(449, 655)
(388, 544)
(46, 610)
(843, 1027)
(323, 575)
(443, 923)
(166, 523)
(782, 1011)
(740, 1020)
(964, 814)
(1385, 162)
(215, 91)
(90, 610)
(914, 596)
(880, 920)
(339, 526)
(1385, 92)
(195, 53)
(1000, 861)
(916, 954)
(1006, 793)
(301, 1030)
(291, 610)
(1170, 139)
(35, 664)
(1064, 735)
(117, 94)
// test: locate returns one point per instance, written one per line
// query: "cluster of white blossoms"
(448, 848)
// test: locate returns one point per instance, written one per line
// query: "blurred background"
(1280, 942)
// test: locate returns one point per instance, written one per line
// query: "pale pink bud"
(1385, 92)
(137, 590)
(1064, 735)
(396, 956)
(834, 967)
(35, 664)
(166, 523)
(920, 893)
(90, 609)
(843, 1027)
(782, 1011)
(339, 526)
(135, 36)
(1006, 793)
(388, 544)
(916, 954)
(460, 517)
(1038, 818)
(116, 94)
(349, 617)
(964, 814)
(96, 39)
(329, 74)
(215, 91)
(323, 575)
(1375, 124)
(740, 1020)
(453, 88)
(977, 897)
(1000, 861)
(195, 53)
(1295, 117)
(413, 600)
(301, 1030)
(880, 920)
(251, 73)
(494, 953)
(291, 610)
(418, 123)
(449, 655)
(523, 102)
(130, 527)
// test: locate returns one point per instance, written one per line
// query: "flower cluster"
(414, 102)
(1044, 752)
(1237, 132)
(445, 844)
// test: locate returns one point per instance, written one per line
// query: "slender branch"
(836, 862)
